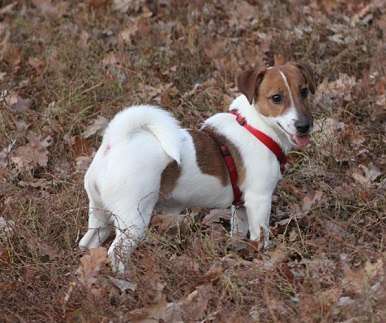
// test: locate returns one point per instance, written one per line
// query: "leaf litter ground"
(67, 67)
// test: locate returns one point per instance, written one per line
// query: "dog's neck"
(257, 120)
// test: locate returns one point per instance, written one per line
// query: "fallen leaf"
(79, 146)
(277, 256)
(358, 281)
(82, 163)
(6, 227)
(11, 54)
(216, 216)
(165, 222)
(333, 94)
(121, 5)
(366, 175)
(84, 39)
(190, 308)
(195, 304)
(37, 63)
(123, 285)
(310, 199)
(47, 8)
(97, 4)
(7, 9)
(33, 154)
(90, 266)
(98, 125)
(4, 154)
(17, 103)
(242, 15)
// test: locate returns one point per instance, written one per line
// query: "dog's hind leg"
(99, 221)
(131, 219)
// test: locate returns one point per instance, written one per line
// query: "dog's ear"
(248, 83)
(308, 75)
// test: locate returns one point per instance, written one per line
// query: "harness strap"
(265, 139)
(232, 169)
(272, 145)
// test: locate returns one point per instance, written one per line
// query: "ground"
(68, 66)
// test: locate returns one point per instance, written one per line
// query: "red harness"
(230, 163)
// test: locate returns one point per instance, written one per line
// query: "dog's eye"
(276, 98)
(304, 92)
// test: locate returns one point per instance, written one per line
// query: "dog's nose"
(302, 126)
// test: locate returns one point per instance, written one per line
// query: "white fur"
(123, 181)
(159, 122)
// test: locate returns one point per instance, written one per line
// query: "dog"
(146, 161)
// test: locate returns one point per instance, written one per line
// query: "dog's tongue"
(301, 141)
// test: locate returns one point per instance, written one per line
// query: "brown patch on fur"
(273, 83)
(248, 82)
(208, 155)
(261, 85)
(209, 158)
(169, 178)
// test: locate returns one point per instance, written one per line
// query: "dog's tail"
(144, 117)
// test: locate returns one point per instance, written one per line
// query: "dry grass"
(77, 61)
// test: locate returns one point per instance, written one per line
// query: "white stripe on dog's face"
(280, 101)
(288, 89)
(288, 118)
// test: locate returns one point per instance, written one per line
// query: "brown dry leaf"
(195, 304)
(84, 39)
(11, 54)
(310, 199)
(79, 146)
(82, 163)
(165, 222)
(167, 97)
(379, 113)
(97, 126)
(8, 8)
(191, 308)
(37, 63)
(357, 281)
(160, 312)
(325, 130)
(214, 273)
(366, 175)
(6, 227)
(330, 296)
(374, 269)
(90, 266)
(121, 5)
(133, 27)
(17, 103)
(4, 153)
(97, 4)
(4, 259)
(114, 66)
(328, 127)
(333, 94)
(123, 285)
(47, 8)
(242, 15)
(215, 49)
(276, 257)
(33, 154)
(216, 216)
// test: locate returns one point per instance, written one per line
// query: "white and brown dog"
(147, 161)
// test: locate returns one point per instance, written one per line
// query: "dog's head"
(280, 93)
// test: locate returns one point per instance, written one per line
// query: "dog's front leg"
(258, 212)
